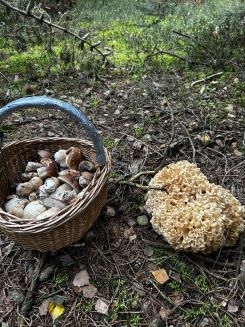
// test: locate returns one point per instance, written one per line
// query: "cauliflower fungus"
(193, 214)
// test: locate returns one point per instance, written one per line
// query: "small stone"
(17, 297)
(148, 251)
(142, 220)
(110, 211)
(205, 322)
(137, 145)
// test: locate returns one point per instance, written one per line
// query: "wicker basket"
(71, 223)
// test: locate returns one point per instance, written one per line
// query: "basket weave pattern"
(71, 223)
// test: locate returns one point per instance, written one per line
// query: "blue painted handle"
(49, 103)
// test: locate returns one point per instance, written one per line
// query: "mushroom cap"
(60, 158)
(51, 184)
(42, 194)
(87, 175)
(15, 202)
(70, 180)
(86, 165)
(51, 167)
(74, 157)
(32, 166)
(83, 182)
(36, 182)
(72, 172)
(17, 212)
(33, 209)
(27, 176)
(44, 154)
(54, 203)
(24, 189)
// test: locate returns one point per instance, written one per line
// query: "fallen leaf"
(56, 310)
(164, 313)
(81, 279)
(232, 307)
(242, 266)
(237, 153)
(89, 291)
(160, 275)
(66, 260)
(139, 288)
(102, 306)
(43, 308)
(205, 138)
(177, 298)
(148, 251)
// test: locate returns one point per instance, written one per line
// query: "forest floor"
(142, 122)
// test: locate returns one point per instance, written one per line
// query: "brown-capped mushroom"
(24, 189)
(85, 179)
(44, 154)
(87, 175)
(36, 182)
(60, 158)
(51, 167)
(32, 166)
(32, 197)
(51, 184)
(72, 172)
(74, 157)
(86, 165)
(70, 180)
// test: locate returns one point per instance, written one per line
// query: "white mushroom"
(60, 158)
(61, 189)
(64, 196)
(34, 209)
(42, 194)
(50, 203)
(48, 213)
(51, 184)
(32, 166)
(15, 206)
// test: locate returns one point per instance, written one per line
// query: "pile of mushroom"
(50, 185)
(191, 213)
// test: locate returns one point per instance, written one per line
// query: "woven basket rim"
(13, 224)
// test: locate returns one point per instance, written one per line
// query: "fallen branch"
(160, 52)
(140, 186)
(41, 20)
(206, 79)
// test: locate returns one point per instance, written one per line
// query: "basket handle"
(48, 103)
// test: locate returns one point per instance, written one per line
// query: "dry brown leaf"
(81, 279)
(43, 308)
(102, 306)
(160, 275)
(164, 313)
(89, 291)
(232, 307)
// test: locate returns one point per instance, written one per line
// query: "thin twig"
(42, 20)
